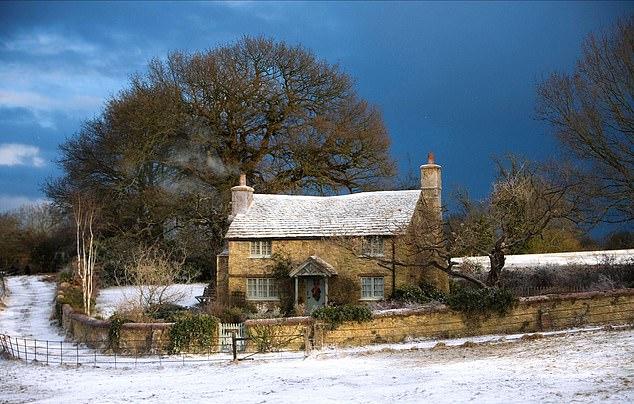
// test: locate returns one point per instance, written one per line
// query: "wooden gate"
(225, 332)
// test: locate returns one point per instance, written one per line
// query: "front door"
(315, 293)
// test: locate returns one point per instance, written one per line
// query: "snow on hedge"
(557, 259)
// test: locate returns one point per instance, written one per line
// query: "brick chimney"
(241, 197)
(431, 183)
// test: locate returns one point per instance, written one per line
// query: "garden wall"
(533, 314)
(134, 338)
(540, 313)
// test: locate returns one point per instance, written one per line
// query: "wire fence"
(527, 291)
(69, 353)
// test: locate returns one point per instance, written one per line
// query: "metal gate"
(225, 332)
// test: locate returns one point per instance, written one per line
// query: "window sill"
(371, 299)
(259, 257)
(263, 299)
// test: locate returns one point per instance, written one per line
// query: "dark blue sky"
(456, 78)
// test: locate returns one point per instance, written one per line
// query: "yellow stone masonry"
(340, 253)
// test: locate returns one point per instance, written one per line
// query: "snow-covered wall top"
(568, 258)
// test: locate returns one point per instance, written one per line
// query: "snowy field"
(591, 365)
(110, 299)
(583, 367)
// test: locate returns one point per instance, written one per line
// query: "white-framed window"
(372, 246)
(260, 249)
(372, 288)
(262, 289)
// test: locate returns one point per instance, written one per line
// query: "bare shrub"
(153, 272)
(577, 278)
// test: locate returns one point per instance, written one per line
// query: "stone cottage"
(332, 242)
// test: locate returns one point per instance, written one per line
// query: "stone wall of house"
(338, 253)
(534, 314)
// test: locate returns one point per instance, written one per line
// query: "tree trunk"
(497, 260)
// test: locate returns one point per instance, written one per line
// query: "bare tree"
(522, 205)
(85, 212)
(592, 113)
(153, 272)
(164, 152)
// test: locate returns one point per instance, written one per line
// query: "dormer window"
(372, 246)
(260, 249)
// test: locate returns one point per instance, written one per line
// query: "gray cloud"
(16, 154)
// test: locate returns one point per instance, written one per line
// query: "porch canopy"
(313, 266)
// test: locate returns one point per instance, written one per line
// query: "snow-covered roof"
(294, 216)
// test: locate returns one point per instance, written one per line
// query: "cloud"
(44, 91)
(43, 43)
(11, 202)
(16, 154)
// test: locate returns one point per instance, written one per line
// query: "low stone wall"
(540, 313)
(294, 334)
(134, 338)
(533, 314)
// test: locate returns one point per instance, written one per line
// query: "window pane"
(272, 288)
(366, 287)
(261, 292)
(251, 288)
(378, 287)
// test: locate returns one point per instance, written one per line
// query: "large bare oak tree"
(165, 151)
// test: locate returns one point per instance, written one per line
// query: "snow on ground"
(590, 365)
(557, 259)
(110, 299)
(581, 367)
(29, 305)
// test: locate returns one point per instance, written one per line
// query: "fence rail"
(79, 354)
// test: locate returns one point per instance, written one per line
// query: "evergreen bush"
(335, 315)
(482, 301)
(192, 332)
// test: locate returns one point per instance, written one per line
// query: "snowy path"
(28, 309)
(595, 366)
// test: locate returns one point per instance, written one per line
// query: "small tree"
(84, 213)
(522, 206)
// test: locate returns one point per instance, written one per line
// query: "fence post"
(234, 348)
(77, 353)
(26, 355)
(307, 343)
(35, 347)
(47, 352)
